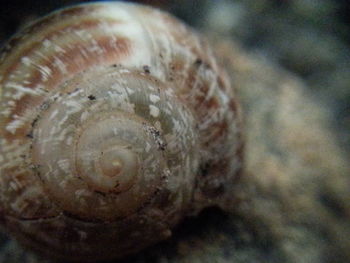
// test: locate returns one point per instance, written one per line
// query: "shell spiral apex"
(116, 122)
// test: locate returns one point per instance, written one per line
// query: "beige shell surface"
(116, 122)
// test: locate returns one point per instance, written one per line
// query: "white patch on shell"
(6, 112)
(69, 140)
(11, 103)
(21, 90)
(58, 63)
(124, 71)
(45, 72)
(95, 48)
(154, 111)
(47, 43)
(84, 115)
(53, 114)
(148, 147)
(73, 106)
(154, 98)
(127, 26)
(26, 61)
(14, 125)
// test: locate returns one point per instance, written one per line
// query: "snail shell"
(116, 122)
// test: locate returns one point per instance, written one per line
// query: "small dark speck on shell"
(91, 97)
(146, 69)
(34, 122)
(198, 62)
(204, 169)
(162, 146)
(44, 106)
(100, 193)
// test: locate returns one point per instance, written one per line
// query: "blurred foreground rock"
(293, 200)
(296, 177)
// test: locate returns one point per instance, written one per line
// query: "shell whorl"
(107, 142)
(114, 112)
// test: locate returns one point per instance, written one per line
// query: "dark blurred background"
(310, 38)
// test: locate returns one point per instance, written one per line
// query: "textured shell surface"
(116, 122)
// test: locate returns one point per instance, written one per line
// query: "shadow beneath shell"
(212, 236)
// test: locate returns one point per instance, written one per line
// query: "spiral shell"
(116, 122)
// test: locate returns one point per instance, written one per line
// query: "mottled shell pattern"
(116, 122)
